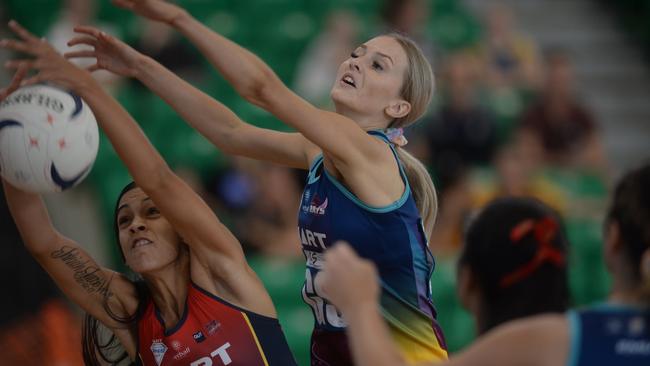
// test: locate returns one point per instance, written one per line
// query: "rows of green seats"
(586, 194)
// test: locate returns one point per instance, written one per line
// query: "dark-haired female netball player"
(363, 187)
(199, 302)
(613, 333)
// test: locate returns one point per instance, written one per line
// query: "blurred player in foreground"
(614, 333)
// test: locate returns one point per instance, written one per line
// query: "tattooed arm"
(85, 282)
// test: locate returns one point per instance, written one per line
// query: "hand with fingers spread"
(349, 281)
(47, 62)
(157, 10)
(110, 53)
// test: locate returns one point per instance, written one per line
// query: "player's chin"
(144, 263)
(145, 267)
(342, 96)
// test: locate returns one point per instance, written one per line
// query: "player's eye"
(123, 220)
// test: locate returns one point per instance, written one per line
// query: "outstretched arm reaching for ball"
(351, 147)
(217, 257)
(208, 116)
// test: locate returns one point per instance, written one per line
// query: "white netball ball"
(48, 139)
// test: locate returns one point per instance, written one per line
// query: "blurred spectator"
(159, 41)
(411, 18)
(270, 223)
(511, 59)
(561, 126)
(317, 68)
(461, 133)
(74, 13)
(517, 175)
(513, 173)
(454, 207)
(261, 202)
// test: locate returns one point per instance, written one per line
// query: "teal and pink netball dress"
(393, 238)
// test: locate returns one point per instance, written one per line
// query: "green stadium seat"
(35, 15)
(456, 323)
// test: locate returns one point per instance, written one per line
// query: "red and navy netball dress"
(211, 332)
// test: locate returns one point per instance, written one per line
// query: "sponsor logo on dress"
(182, 354)
(158, 349)
(316, 206)
(198, 337)
(212, 327)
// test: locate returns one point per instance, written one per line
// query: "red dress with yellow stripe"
(211, 332)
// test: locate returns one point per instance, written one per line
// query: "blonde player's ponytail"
(417, 90)
(421, 184)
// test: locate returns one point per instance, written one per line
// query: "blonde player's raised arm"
(254, 80)
(211, 118)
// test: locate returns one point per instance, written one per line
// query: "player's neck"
(169, 287)
(623, 292)
(365, 121)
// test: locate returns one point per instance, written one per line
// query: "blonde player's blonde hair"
(417, 89)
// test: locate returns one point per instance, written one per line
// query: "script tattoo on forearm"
(86, 273)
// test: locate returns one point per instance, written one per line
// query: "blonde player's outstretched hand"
(349, 281)
(157, 10)
(109, 52)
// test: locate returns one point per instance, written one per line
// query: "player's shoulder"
(529, 335)
(537, 341)
(541, 326)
